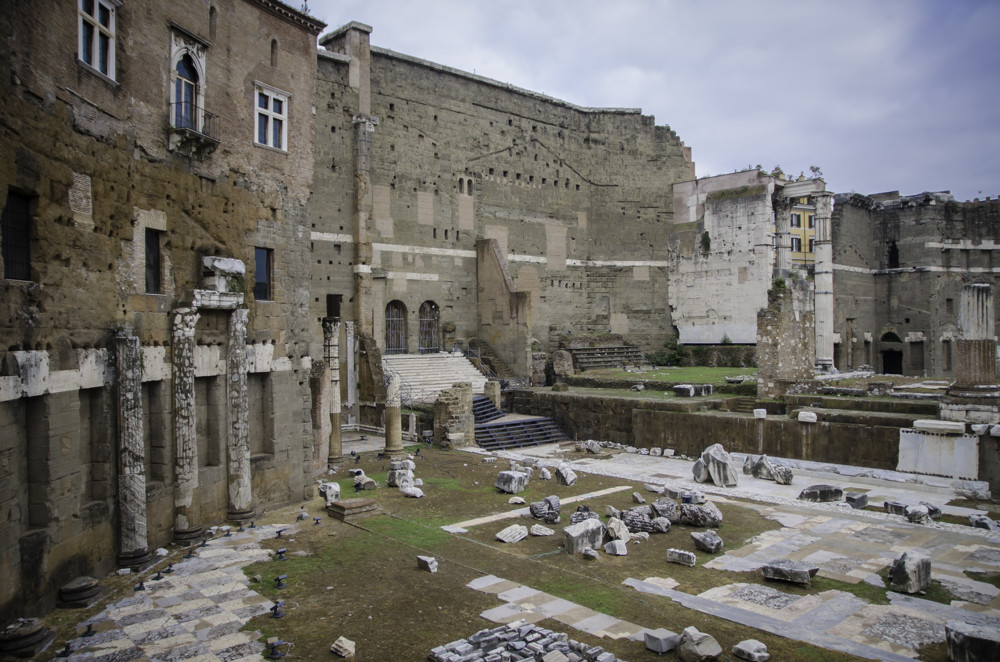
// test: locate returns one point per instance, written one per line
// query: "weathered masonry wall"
(646, 423)
(457, 158)
(101, 172)
(721, 237)
(899, 266)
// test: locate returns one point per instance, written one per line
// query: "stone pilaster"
(331, 339)
(364, 128)
(237, 407)
(393, 419)
(187, 508)
(492, 391)
(975, 396)
(823, 279)
(783, 235)
(133, 549)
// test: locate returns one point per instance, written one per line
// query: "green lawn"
(694, 374)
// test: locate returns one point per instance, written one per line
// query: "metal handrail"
(480, 364)
(406, 390)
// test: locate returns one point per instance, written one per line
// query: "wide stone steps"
(426, 375)
(484, 410)
(518, 433)
(586, 358)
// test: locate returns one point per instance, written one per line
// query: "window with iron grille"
(97, 35)
(15, 232)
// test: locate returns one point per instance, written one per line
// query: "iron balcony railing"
(186, 115)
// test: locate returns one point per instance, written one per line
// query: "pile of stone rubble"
(515, 642)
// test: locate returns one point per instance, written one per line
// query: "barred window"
(153, 262)
(262, 274)
(15, 232)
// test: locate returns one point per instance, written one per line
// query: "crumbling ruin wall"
(786, 340)
(721, 240)
(454, 422)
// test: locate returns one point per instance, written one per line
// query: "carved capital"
(185, 320)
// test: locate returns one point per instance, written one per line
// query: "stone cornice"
(293, 16)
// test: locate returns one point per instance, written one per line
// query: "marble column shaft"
(187, 509)
(823, 279)
(133, 548)
(393, 419)
(976, 363)
(238, 414)
(331, 338)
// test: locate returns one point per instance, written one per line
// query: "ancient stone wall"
(899, 266)
(105, 173)
(786, 339)
(457, 158)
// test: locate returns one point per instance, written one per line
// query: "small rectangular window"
(272, 118)
(796, 220)
(811, 220)
(15, 235)
(153, 263)
(262, 274)
(796, 245)
(97, 35)
(812, 245)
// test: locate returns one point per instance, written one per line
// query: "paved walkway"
(194, 613)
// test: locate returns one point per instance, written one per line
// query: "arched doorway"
(429, 339)
(395, 328)
(892, 354)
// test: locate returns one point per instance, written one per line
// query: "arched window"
(274, 52)
(461, 185)
(468, 188)
(429, 340)
(185, 115)
(893, 256)
(395, 328)
(213, 18)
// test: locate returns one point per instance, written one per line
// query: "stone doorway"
(429, 336)
(395, 328)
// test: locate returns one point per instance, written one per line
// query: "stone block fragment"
(978, 521)
(707, 515)
(807, 417)
(539, 530)
(616, 548)
(684, 390)
(857, 500)
(611, 511)
(412, 492)
(707, 541)
(547, 509)
(695, 646)
(544, 474)
(587, 534)
(655, 489)
(617, 530)
(932, 511)
(822, 493)
(910, 573)
(760, 413)
(512, 482)
(565, 476)
(918, 514)
(428, 563)
(763, 468)
(637, 498)
(660, 640)
(513, 533)
(700, 471)
(751, 649)
(655, 451)
(783, 475)
(681, 557)
(784, 570)
(720, 465)
(343, 647)
(895, 508)
(660, 524)
(590, 553)
(968, 642)
(667, 508)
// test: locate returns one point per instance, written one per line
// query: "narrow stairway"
(497, 430)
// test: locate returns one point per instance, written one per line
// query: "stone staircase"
(492, 359)
(424, 376)
(745, 405)
(496, 430)
(588, 358)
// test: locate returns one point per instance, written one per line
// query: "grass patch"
(598, 596)
(987, 578)
(679, 375)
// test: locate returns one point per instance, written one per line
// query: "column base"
(238, 516)
(189, 534)
(135, 559)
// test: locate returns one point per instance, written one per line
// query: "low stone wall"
(748, 388)
(646, 423)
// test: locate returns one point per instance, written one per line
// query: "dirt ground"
(362, 582)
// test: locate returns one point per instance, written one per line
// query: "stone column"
(238, 415)
(492, 391)
(783, 235)
(393, 420)
(331, 339)
(187, 507)
(975, 396)
(133, 548)
(823, 279)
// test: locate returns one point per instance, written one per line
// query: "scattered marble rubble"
(511, 482)
(910, 572)
(751, 649)
(428, 563)
(343, 647)
(695, 646)
(546, 510)
(513, 533)
(517, 642)
(707, 541)
(796, 572)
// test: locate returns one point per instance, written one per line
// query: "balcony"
(193, 131)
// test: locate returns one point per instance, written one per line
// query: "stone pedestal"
(133, 549)
(187, 508)
(975, 396)
(393, 420)
(240, 506)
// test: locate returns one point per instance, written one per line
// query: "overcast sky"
(881, 95)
